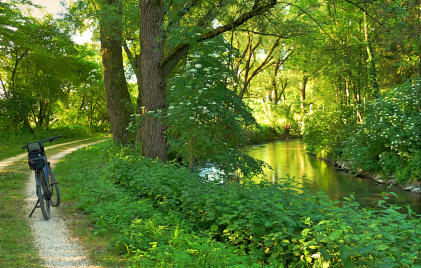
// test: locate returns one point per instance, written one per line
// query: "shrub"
(389, 139)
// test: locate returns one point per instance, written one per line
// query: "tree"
(39, 62)
(161, 65)
(153, 79)
(118, 100)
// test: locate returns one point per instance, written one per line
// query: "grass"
(81, 226)
(16, 245)
(11, 142)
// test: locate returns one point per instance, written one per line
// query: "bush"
(277, 117)
(162, 215)
(389, 139)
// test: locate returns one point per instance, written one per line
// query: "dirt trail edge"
(57, 248)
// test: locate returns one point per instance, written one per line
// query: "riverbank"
(344, 166)
(377, 177)
(288, 159)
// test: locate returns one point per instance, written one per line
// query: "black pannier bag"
(36, 158)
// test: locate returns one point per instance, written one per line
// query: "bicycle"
(46, 185)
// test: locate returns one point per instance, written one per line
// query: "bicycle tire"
(42, 195)
(53, 187)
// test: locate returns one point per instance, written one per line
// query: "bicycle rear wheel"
(42, 192)
(53, 187)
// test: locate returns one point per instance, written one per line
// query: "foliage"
(280, 117)
(207, 122)
(138, 230)
(324, 130)
(273, 223)
(389, 139)
(40, 67)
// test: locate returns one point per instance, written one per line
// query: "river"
(289, 158)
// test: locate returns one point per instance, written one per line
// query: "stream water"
(289, 158)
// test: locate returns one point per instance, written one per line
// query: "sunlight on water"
(289, 158)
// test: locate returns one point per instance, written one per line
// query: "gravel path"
(56, 246)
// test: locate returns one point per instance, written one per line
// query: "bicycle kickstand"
(36, 206)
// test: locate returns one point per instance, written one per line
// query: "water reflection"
(289, 158)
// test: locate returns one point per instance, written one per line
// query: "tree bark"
(274, 85)
(154, 142)
(303, 93)
(371, 63)
(118, 100)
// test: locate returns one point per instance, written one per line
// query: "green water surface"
(289, 158)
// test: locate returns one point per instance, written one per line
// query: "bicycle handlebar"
(50, 139)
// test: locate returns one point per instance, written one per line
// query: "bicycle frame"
(42, 179)
(45, 171)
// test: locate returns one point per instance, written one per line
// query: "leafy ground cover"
(159, 215)
(16, 245)
(10, 142)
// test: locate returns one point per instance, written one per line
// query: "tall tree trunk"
(347, 94)
(118, 100)
(370, 60)
(154, 143)
(274, 86)
(303, 93)
(155, 68)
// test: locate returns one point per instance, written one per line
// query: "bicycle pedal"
(55, 182)
(38, 206)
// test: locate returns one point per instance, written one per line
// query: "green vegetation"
(135, 227)
(46, 80)
(387, 141)
(191, 83)
(157, 214)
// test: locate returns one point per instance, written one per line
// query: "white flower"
(316, 255)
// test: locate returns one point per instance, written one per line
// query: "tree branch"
(271, 34)
(179, 51)
(365, 11)
(265, 61)
(128, 52)
(3, 85)
(181, 13)
(311, 17)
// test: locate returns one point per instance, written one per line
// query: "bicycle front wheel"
(42, 192)
(54, 190)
